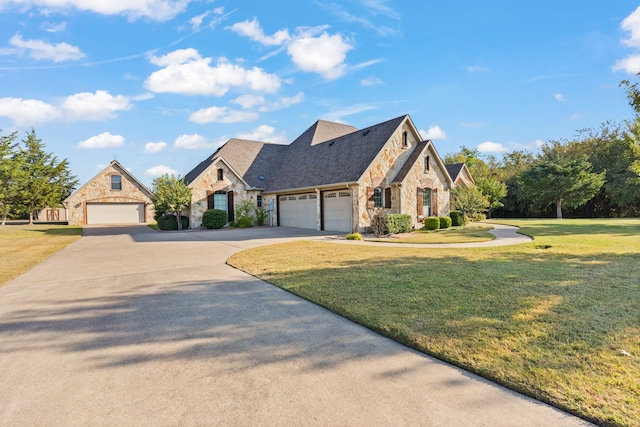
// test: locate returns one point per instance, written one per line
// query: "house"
(460, 174)
(332, 177)
(113, 196)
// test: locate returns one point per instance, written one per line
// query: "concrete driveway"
(131, 327)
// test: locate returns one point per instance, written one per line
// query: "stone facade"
(98, 190)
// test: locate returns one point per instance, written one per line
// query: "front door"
(427, 199)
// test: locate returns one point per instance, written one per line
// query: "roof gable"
(338, 160)
(416, 154)
(459, 170)
(120, 169)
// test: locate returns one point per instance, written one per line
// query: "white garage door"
(115, 213)
(337, 211)
(298, 210)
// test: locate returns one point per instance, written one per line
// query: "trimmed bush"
(354, 236)
(168, 222)
(378, 222)
(244, 222)
(479, 216)
(458, 219)
(432, 223)
(445, 222)
(399, 223)
(214, 218)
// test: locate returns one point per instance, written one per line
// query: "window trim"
(259, 201)
(220, 174)
(426, 163)
(119, 183)
(405, 139)
(378, 197)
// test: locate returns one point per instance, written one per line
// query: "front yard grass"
(473, 232)
(24, 246)
(557, 319)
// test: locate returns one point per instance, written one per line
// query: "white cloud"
(371, 81)
(197, 142)
(160, 170)
(559, 97)
(434, 133)
(492, 147)
(159, 10)
(264, 133)
(477, 69)
(39, 49)
(248, 101)
(632, 24)
(324, 54)
(89, 106)
(284, 102)
(28, 112)
(630, 64)
(253, 31)
(154, 147)
(186, 72)
(222, 115)
(104, 140)
(50, 27)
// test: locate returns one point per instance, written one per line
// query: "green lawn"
(24, 246)
(554, 318)
(473, 232)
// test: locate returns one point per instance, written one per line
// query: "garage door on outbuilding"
(337, 211)
(298, 210)
(115, 213)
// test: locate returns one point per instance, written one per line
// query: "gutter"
(311, 189)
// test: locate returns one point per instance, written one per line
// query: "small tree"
(41, 179)
(171, 193)
(494, 191)
(469, 200)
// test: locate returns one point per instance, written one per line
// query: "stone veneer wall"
(208, 183)
(418, 177)
(404, 198)
(99, 190)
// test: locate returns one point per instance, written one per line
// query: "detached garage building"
(114, 196)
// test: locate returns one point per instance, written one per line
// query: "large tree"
(559, 176)
(8, 168)
(170, 193)
(41, 179)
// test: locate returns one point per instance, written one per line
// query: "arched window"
(426, 202)
(377, 197)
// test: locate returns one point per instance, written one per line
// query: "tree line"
(31, 179)
(594, 174)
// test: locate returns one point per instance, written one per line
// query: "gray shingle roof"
(250, 159)
(454, 170)
(413, 158)
(326, 153)
(336, 160)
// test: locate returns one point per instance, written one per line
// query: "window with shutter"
(387, 197)
(419, 203)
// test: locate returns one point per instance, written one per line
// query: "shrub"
(214, 218)
(458, 219)
(479, 216)
(445, 222)
(261, 216)
(354, 236)
(399, 223)
(378, 222)
(244, 222)
(168, 222)
(432, 223)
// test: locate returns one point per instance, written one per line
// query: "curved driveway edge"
(505, 235)
(128, 326)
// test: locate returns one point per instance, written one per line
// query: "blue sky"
(160, 84)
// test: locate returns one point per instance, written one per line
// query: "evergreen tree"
(42, 179)
(8, 168)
